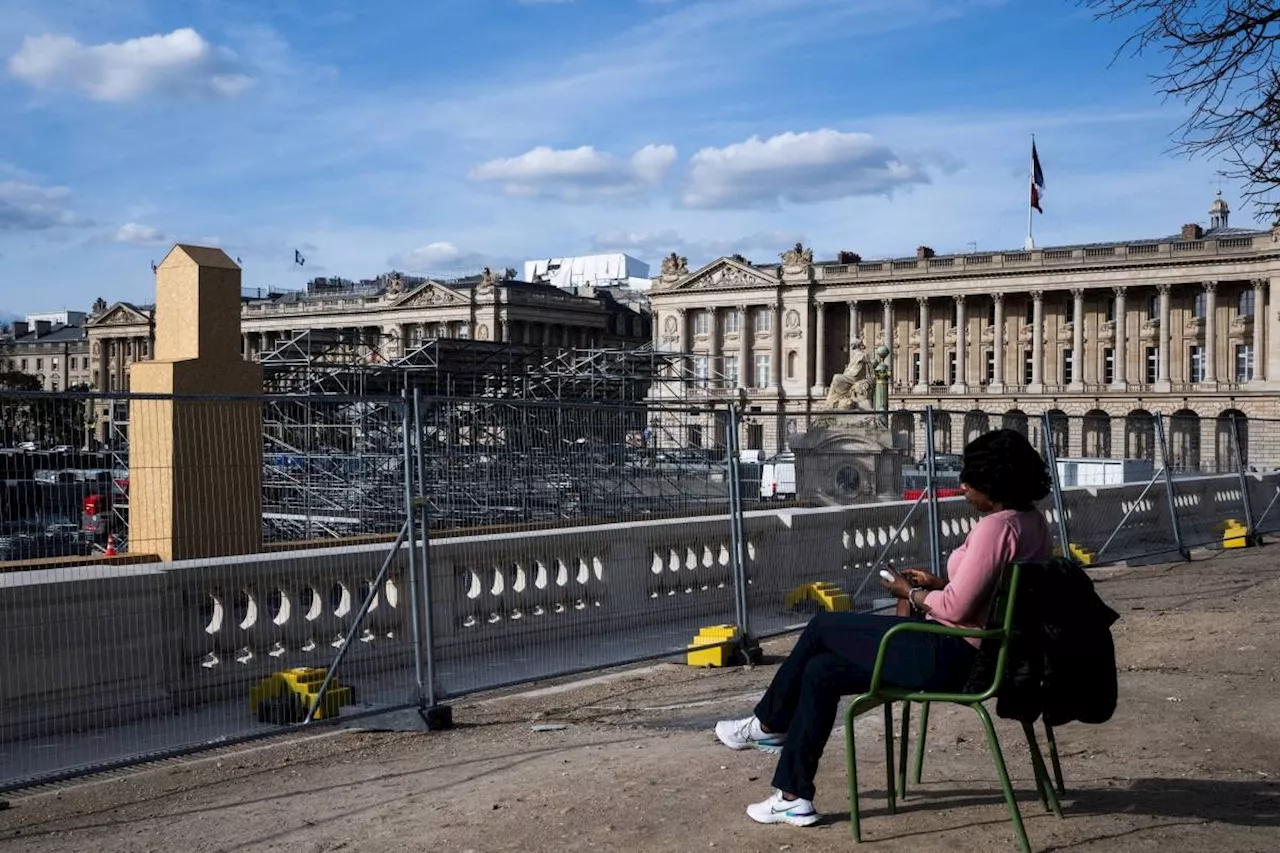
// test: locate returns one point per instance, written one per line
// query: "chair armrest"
(924, 628)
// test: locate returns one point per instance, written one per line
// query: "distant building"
(614, 270)
(55, 353)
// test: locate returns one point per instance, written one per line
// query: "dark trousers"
(834, 657)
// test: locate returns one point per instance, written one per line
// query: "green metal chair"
(996, 638)
(1027, 728)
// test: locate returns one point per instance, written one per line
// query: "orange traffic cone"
(111, 545)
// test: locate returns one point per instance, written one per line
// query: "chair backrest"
(993, 655)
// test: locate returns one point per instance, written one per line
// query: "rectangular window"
(732, 323)
(1244, 362)
(1153, 307)
(695, 435)
(915, 368)
(1028, 366)
(24, 365)
(39, 364)
(1246, 302)
(764, 321)
(1195, 363)
(53, 364)
(1108, 365)
(71, 363)
(1031, 311)
(951, 368)
(763, 373)
(464, 331)
(702, 323)
(991, 365)
(1153, 364)
(1068, 361)
(701, 370)
(731, 371)
(1198, 305)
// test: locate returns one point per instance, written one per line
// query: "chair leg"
(851, 762)
(1048, 798)
(890, 788)
(993, 743)
(902, 750)
(1053, 758)
(924, 730)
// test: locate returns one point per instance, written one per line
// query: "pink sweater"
(973, 569)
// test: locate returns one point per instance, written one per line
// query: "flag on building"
(1037, 179)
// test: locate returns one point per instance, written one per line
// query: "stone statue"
(674, 265)
(99, 307)
(396, 286)
(797, 257)
(883, 374)
(851, 389)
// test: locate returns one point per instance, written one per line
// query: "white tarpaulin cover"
(586, 270)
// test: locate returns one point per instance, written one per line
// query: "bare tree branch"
(1221, 61)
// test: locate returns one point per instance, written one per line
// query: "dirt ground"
(1191, 761)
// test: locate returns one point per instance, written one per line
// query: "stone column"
(1260, 319)
(1166, 339)
(1077, 339)
(923, 385)
(855, 324)
(1120, 358)
(713, 359)
(1037, 341)
(962, 376)
(104, 380)
(820, 356)
(195, 486)
(775, 361)
(998, 354)
(745, 333)
(1210, 332)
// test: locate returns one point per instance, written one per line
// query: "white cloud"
(445, 260)
(178, 62)
(798, 168)
(578, 174)
(139, 235)
(30, 207)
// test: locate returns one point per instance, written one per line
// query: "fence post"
(1168, 487)
(414, 594)
(738, 538)
(935, 545)
(1051, 459)
(1253, 537)
(435, 715)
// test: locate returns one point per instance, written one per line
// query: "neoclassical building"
(1108, 332)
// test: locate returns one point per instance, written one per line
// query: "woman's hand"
(899, 587)
(924, 580)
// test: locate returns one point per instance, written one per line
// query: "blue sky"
(442, 135)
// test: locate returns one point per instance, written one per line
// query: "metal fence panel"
(631, 552)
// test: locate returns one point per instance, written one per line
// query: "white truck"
(1084, 473)
(778, 478)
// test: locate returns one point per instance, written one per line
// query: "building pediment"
(120, 314)
(727, 273)
(431, 295)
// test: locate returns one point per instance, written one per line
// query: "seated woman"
(1003, 477)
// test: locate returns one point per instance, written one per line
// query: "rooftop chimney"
(848, 258)
(20, 328)
(1192, 231)
(42, 328)
(923, 252)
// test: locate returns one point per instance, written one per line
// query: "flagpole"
(1031, 179)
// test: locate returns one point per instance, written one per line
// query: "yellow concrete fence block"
(828, 595)
(290, 693)
(1079, 553)
(1235, 534)
(714, 655)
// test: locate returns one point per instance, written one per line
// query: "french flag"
(1037, 179)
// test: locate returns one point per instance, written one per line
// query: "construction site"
(499, 434)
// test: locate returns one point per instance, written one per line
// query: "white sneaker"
(796, 812)
(747, 734)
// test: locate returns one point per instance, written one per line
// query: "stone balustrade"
(92, 646)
